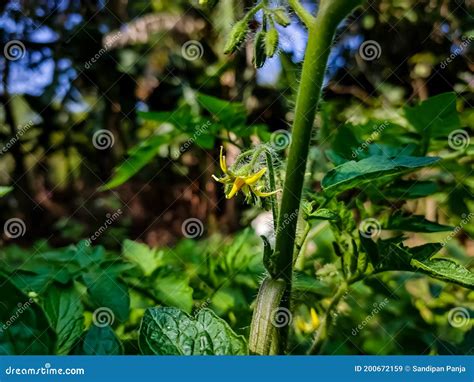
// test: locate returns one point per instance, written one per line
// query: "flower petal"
(238, 183)
(222, 162)
(262, 194)
(224, 179)
(251, 179)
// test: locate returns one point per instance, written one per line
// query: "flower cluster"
(242, 179)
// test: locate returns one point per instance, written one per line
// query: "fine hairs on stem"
(321, 31)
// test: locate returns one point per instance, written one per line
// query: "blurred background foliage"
(121, 66)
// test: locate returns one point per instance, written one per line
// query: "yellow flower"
(245, 183)
(308, 327)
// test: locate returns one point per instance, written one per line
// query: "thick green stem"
(321, 34)
(272, 181)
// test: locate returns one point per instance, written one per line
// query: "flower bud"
(281, 16)
(259, 49)
(237, 36)
(271, 42)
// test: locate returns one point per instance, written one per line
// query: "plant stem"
(326, 322)
(323, 332)
(272, 181)
(301, 12)
(321, 33)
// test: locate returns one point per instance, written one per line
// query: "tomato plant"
(340, 215)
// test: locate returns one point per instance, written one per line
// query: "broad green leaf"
(221, 338)
(302, 284)
(63, 307)
(425, 251)
(5, 190)
(138, 157)
(231, 114)
(445, 270)
(355, 174)
(345, 144)
(105, 290)
(392, 255)
(169, 331)
(99, 341)
(323, 214)
(146, 258)
(24, 329)
(407, 189)
(87, 255)
(174, 290)
(435, 117)
(180, 117)
(415, 223)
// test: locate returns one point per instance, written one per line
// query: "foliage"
(355, 224)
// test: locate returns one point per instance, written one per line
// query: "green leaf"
(303, 283)
(107, 291)
(323, 214)
(24, 329)
(64, 310)
(87, 255)
(100, 341)
(392, 255)
(355, 174)
(5, 190)
(408, 189)
(174, 290)
(415, 223)
(138, 157)
(169, 331)
(231, 114)
(425, 251)
(146, 258)
(445, 270)
(345, 143)
(180, 117)
(435, 117)
(200, 130)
